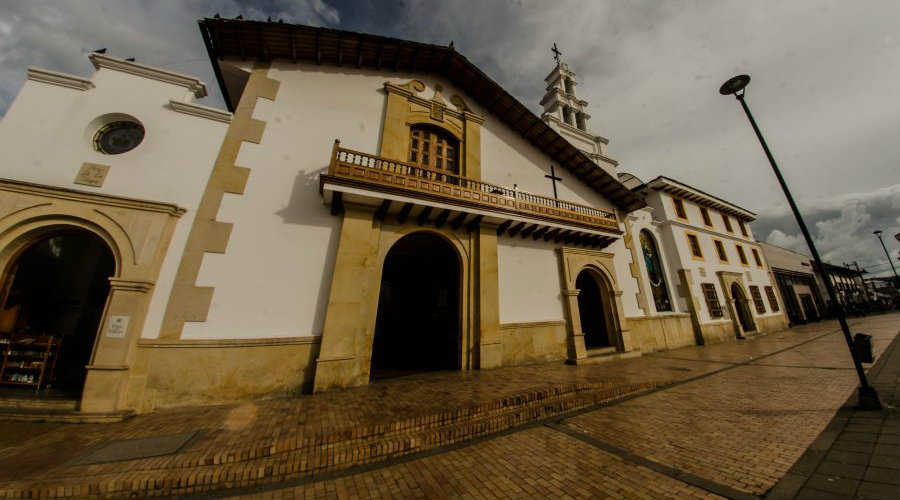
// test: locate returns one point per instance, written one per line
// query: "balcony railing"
(454, 189)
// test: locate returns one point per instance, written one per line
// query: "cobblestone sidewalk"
(712, 417)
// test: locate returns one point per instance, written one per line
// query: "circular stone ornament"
(118, 137)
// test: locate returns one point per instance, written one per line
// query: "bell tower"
(567, 114)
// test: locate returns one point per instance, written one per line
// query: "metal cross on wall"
(553, 178)
(556, 53)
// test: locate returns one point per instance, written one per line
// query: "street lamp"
(896, 280)
(868, 397)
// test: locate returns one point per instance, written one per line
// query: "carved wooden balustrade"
(375, 172)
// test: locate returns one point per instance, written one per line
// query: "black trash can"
(863, 345)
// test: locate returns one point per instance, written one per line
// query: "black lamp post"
(868, 397)
(896, 280)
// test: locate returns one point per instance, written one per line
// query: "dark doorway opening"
(58, 286)
(742, 308)
(418, 324)
(592, 312)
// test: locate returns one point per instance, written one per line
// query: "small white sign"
(117, 326)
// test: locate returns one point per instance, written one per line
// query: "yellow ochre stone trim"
(189, 302)
(260, 342)
(87, 197)
(532, 324)
(634, 266)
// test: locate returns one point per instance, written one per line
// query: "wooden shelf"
(38, 352)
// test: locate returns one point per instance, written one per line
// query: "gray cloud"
(825, 79)
(841, 228)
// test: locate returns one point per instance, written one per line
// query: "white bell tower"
(567, 114)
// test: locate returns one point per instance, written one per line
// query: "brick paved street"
(728, 419)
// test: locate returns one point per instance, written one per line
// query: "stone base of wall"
(219, 371)
(770, 324)
(661, 333)
(533, 342)
(716, 332)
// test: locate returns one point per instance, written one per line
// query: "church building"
(367, 207)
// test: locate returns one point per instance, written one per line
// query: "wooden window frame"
(742, 255)
(678, 202)
(707, 220)
(727, 222)
(757, 299)
(773, 301)
(713, 306)
(718, 244)
(437, 150)
(757, 258)
(743, 228)
(688, 235)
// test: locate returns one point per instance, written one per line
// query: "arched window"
(570, 87)
(655, 273)
(579, 120)
(433, 148)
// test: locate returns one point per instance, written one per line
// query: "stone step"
(36, 402)
(293, 457)
(61, 415)
(603, 356)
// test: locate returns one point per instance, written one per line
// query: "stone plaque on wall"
(91, 174)
(116, 326)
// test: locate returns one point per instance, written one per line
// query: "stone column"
(352, 301)
(575, 342)
(490, 349)
(107, 375)
(686, 291)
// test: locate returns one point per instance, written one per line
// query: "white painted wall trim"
(113, 63)
(201, 111)
(60, 79)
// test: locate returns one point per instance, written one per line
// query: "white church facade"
(370, 207)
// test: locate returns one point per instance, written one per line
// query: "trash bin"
(863, 345)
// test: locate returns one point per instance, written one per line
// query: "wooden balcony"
(373, 173)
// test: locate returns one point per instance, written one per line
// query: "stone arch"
(600, 265)
(603, 333)
(418, 322)
(736, 300)
(137, 233)
(56, 282)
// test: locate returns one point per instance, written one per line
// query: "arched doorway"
(742, 308)
(418, 323)
(58, 286)
(593, 312)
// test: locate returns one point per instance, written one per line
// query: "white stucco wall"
(274, 278)
(507, 159)
(530, 288)
(47, 134)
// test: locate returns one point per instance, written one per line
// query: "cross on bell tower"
(556, 53)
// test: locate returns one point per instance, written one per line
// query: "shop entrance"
(742, 308)
(592, 312)
(52, 299)
(418, 324)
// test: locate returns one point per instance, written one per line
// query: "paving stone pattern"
(726, 427)
(863, 461)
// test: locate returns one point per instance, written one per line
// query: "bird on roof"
(239, 17)
(99, 51)
(217, 16)
(129, 59)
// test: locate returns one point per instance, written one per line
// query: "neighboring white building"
(708, 268)
(372, 207)
(793, 273)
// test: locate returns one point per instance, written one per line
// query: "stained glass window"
(655, 273)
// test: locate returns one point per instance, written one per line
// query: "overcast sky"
(825, 89)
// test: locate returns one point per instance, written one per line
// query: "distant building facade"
(797, 283)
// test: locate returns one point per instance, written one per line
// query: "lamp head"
(734, 85)
(877, 233)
